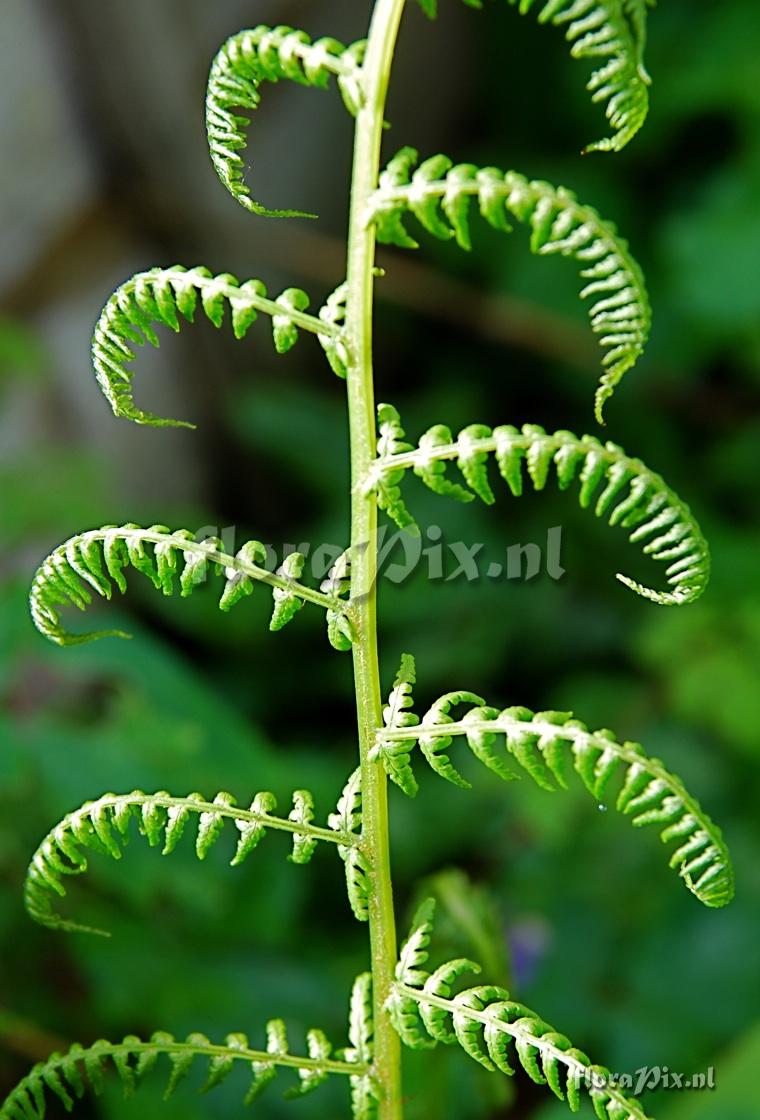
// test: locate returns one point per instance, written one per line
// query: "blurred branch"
(50, 273)
(414, 285)
(411, 284)
(27, 1039)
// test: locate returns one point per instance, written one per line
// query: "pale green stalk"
(361, 405)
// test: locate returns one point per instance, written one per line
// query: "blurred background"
(104, 171)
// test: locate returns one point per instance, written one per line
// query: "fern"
(440, 196)
(95, 562)
(269, 54)
(166, 295)
(622, 489)
(484, 1021)
(102, 826)
(543, 744)
(68, 1076)
(398, 999)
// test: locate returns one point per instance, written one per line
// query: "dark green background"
(579, 913)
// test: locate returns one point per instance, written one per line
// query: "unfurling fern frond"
(269, 54)
(484, 1021)
(364, 1091)
(166, 295)
(440, 195)
(95, 561)
(612, 33)
(102, 826)
(69, 1076)
(631, 495)
(346, 820)
(544, 744)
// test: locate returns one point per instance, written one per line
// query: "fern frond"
(269, 54)
(631, 495)
(361, 1031)
(94, 561)
(167, 295)
(543, 744)
(67, 1077)
(612, 33)
(440, 196)
(484, 1021)
(347, 820)
(102, 827)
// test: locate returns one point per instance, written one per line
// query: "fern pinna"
(397, 1001)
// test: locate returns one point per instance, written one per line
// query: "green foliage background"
(576, 910)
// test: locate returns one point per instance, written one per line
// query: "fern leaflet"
(542, 744)
(68, 1076)
(340, 631)
(346, 821)
(391, 442)
(636, 12)
(94, 561)
(396, 716)
(440, 196)
(364, 1091)
(164, 295)
(334, 342)
(102, 826)
(632, 495)
(484, 1021)
(269, 54)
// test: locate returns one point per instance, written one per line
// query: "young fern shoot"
(397, 1001)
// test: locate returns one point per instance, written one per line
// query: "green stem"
(363, 432)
